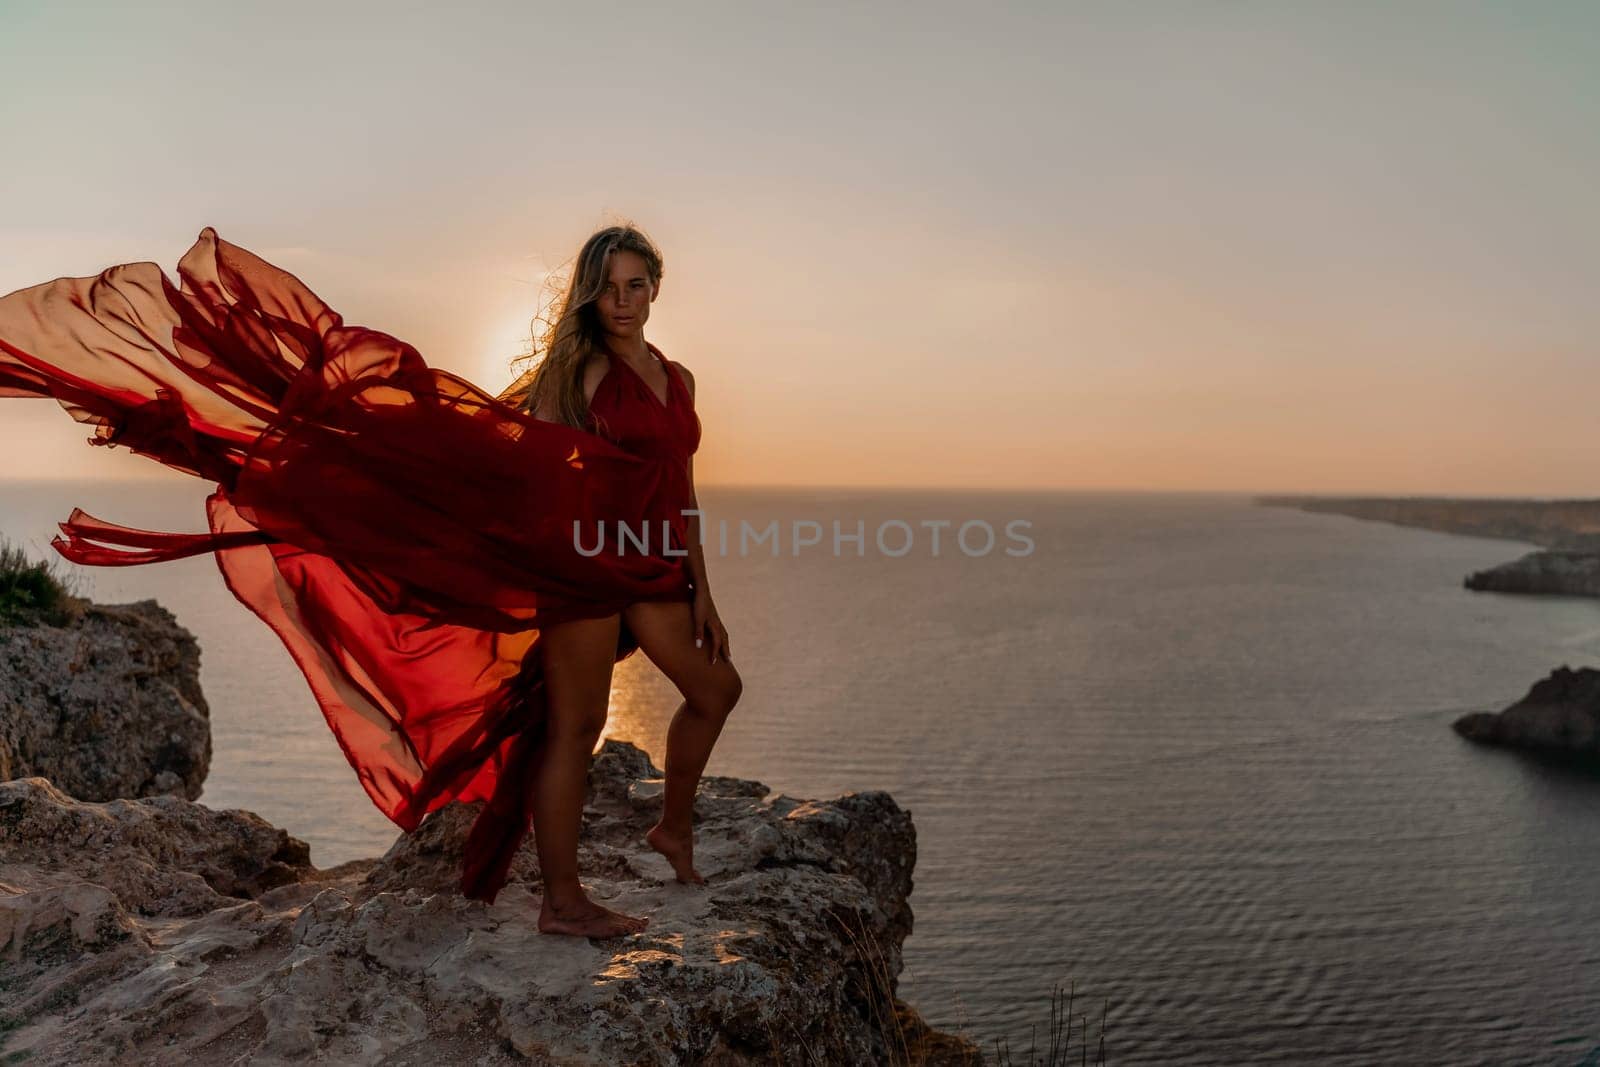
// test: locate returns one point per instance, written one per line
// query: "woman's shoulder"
(688, 377)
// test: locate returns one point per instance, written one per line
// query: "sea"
(1181, 757)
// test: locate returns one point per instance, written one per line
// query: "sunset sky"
(1245, 246)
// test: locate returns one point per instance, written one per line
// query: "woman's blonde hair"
(572, 331)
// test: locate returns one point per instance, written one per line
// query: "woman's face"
(624, 303)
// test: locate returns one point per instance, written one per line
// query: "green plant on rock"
(34, 592)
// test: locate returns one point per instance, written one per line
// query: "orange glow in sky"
(1321, 249)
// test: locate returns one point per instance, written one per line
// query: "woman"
(601, 374)
(413, 540)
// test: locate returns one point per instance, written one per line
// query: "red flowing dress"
(405, 533)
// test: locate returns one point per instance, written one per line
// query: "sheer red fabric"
(404, 533)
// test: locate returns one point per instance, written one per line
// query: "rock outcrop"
(159, 931)
(109, 706)
(1558, 571)
(1560, 715)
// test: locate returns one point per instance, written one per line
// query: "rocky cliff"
(154, 930)
(109, 706)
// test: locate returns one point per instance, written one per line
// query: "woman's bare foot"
(679, 850)
(588, 919)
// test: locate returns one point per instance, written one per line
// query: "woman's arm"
(697, 556)
(708, 628)
(697, 553)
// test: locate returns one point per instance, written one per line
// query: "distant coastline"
(1567, 533)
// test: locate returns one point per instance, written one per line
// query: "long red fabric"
(405, 533)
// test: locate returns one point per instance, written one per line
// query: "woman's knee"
(719, 697)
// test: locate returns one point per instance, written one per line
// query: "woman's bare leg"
(665, 630)
(578, 657)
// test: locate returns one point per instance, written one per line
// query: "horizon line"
(136, 480)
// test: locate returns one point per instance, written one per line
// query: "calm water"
(1192, 754)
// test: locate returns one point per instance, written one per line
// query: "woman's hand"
(708, 628)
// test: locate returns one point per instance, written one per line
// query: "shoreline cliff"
(1559, 717)
(1567, 562)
